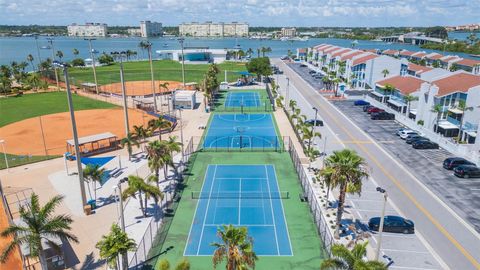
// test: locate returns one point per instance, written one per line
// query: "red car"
(374, 110)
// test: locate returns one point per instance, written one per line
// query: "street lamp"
(2, 142)
(314, 123)
(74, 130)
(148, 44)
(382, 218)
(181, 40)
(288, 89)
(38, 50)
(50, 40)
(180, 109)
(92, 56)
(119, 56)
(122, 217)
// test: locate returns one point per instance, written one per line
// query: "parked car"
(413, 138)
(394, 224)
(303, 65)
(361, 102)
(312, 72)
(467, 171)
(453, 162)
(382, 116)
(318, 76)
(366, 107)
(313, 122)
(284, 58)
(374, 110)
(400, 130)
(424, 145)
(405, 133)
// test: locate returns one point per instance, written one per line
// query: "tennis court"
(241, 195)
(241, 131)
(243, 99)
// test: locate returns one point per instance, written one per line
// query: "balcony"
(453, 121)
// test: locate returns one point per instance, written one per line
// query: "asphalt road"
(452, 238)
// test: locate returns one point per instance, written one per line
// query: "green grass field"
(306, 244)
(14, 109)
(163, 70)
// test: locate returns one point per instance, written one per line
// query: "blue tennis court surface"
(241, 131)
(245, 99)
(241, 195)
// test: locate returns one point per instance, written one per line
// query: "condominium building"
(210, 29)
(151, 29)
(134, 32)
(87, 30)
(289, 32)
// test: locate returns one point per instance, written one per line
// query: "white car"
(404, 134)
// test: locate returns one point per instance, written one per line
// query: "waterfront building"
(470, 65)
(392, 53)
(403, 86)
(447, 61)
(288, 32)
(210, 29)
(432, 58)
(405, 54)
(195, 55)
(151, 29)
(87, 30)
(418, 56)
(134, 32)
(417, 70)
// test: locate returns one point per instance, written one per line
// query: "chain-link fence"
(314, 204)
(241, 143)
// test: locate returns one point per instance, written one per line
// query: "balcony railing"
(453, 121)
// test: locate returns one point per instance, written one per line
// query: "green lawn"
(14, 109)
(306, 244)
(163, 70)
(14, 160)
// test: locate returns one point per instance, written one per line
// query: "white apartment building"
(134, 32)
(151, 29)
(87, 30)
(210, 29)
(288, 32)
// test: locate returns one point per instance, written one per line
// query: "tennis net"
(240, 195)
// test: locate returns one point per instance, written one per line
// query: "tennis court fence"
(314, 204)
(241, 143)
(240, 195)
(270, 96)
(250, 106)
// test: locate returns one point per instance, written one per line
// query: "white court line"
(249, 225)
(206, 211)
(283, 212)
(410, 268)
(193, 220)
(273, 216)
(239, 201)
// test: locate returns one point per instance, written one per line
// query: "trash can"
(92, 204)
(87, 209)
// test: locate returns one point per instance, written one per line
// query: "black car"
(415, 137)
(313, 122)
(393, 224)
(382, 116)
(312, 72)
(424, 145)
(467, 171)
(452, 162)
(303, 65)
(366, 107)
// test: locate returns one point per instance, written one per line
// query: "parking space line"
(407, 251)
(408, 267)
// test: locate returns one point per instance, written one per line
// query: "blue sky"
(255, 12)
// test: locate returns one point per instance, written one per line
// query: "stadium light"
(92, 56)
(119, 56)
(382, 219)
(50, 40)
(74, 130)
(181, 40)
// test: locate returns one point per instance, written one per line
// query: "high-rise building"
(87, 30)
(211, 29)
(151, 29)
(289, 32)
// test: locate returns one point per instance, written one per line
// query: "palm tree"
(408, 99)
(75, 52)
(156, 152)
(164, 87)
(30, 59)
(172, 147)
(114, 244)
(326, 81)
(388, 89)
(33, 80)
(141, 133)
(454, 67)
(250, 52)
(438, 109)
(258, 52)
(40, 225)
(385, 72)
(309, 133)
(312, 155)
(236, 248)
(462, 106)
(292, 104)
(138, 186)
(59, 54)
(159, 123)
(347, 172)
(129, 142)
(279, 101)
(336, 81)
(93, 173)
(184, 264)
(345, 259)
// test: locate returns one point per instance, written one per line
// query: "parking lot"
(462, 195)
(303, 71)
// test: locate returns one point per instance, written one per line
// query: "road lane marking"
(429, 216)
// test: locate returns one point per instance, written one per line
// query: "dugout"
(185, 99)
(94, 144)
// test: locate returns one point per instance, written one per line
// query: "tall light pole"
(181, 133)
(148, 44)
(92, 56)
(74, 130)
(38, 50)
(181, 40)
(382, 219)
(122, 218)
(50, 40)
(2, 142)
(314, 123)
(119, 56)
(286, 93)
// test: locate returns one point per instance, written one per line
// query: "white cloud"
(256, 12)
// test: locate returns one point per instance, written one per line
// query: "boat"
(46, 47)
(165, 45)
(475, 55)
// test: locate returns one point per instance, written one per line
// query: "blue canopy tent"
(100, 161)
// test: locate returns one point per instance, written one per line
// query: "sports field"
(163, 70)
(306, 249)
(251, 100)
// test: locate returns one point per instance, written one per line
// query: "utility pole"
(92, 55)
(38, 50)
(382, 219)
(50, 40)
(181, 40)
(74, 130)
(149, 44)
(124, 258)
(119, 56)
